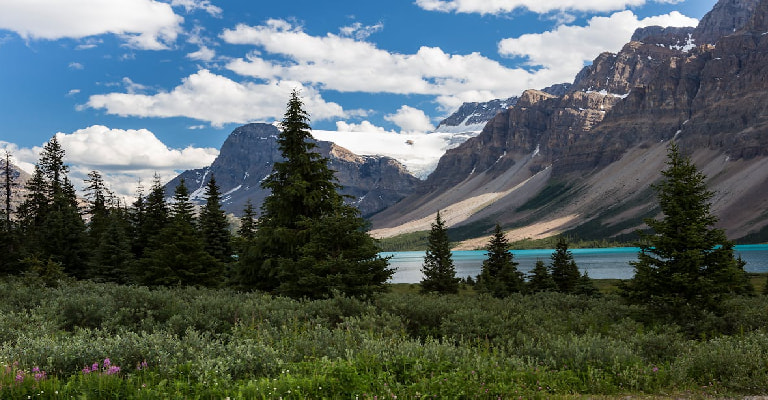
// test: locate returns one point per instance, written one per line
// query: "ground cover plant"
(104, 340)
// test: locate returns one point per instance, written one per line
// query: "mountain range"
(576, 158)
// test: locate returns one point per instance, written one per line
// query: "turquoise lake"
(606, 263)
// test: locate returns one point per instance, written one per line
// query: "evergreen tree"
(303, 206)
(111, 257)
(685, 265)
(565, 273)
(340, 257)
(499, 275)
(150, 216)
(177, 255)
(540, 280)
(438, 269)
(50, 221)
(214, 226)
(247, 228)
(8, 184)
(9, 254)
(586, 287)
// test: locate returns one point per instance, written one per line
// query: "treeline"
(307, 241)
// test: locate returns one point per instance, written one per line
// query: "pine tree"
(50, 220)
(9, 254)
(247, 228)
(177, 255)
(214, 226)
(685, 265)
(586, 287)
(438, 269)
(303, 206)
(150, 216)
(540, 280)
(565, 273)
(499, 275)
(8, 184)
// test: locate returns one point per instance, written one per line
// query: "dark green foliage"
(339, 257)
(499, 275)
(546, 196)
(108, 237)
(686, 267)
(177, 255)
(438, 269)
(214, 227)
(585, 286)
(247, 228)
(540, 280)
(308, 243)
(50, 221)
(564, 271)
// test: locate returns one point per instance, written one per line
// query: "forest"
(157, 299)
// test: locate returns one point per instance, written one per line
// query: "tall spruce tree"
(564, 271)
(177, 255)
(247, 229)
(499, 275)
(51, 224)
(540, 280)
(685, 265)
(214, 227)
(9, 254)
(291, 252)
(438, 269)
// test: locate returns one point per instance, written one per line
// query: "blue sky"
(134, 87)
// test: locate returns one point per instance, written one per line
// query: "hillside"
(583, 162)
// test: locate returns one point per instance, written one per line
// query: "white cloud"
(360, 31)
(536, 6)
(203, 54)
(219, 100)
(365, 126)
(567, 48)
(332, 62)
(144, 24)
(192, 5)
(410, 120)
(76, 65)
(124, 157)
(73, 92)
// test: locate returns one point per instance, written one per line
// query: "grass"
(190, 343)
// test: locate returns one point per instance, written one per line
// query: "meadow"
(90, 340)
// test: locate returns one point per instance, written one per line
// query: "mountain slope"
(247, 156)
(583, 162)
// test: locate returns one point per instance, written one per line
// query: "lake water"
(608, 263)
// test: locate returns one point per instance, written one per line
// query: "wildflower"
(19, 376)
(112, 370)
(655, 369)
(86, 370)
(107, 363)
(95, 367)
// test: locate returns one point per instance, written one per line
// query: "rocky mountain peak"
(725, 18)
(247, 156)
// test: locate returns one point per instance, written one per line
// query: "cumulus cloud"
(193, 5)
(206, 96)
(123, 156)
(144, 24)
(344, 64)
(536, 6)
(203, 54)
(365, 126)
(567, 48)
(410, 120)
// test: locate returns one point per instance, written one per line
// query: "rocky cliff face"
(247, 156)
(474, 115)
(600, 145)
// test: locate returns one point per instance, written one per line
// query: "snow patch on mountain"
(419, 152)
